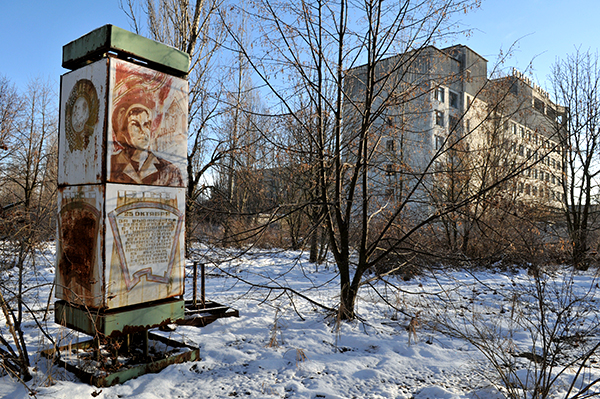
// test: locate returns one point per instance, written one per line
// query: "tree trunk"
(579, 251)
(314, 244)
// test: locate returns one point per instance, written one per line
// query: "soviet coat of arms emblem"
(81, 114)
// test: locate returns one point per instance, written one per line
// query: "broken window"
(453, 100)
(439, 94)
(390, 145)
(439, 142)
(390, 169)
(439, 118)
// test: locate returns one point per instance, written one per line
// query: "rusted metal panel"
(145, 250)
(140, 116)
(147, 126)
(82, 125)
(110, 38)
(79, 267)
(120, 245)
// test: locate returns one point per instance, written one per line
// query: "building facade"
(439, 124)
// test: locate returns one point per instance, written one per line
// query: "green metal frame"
(127, 373)
(121, 321)
(110, 38)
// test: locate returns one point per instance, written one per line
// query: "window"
(439, 94)
(439, 118)
(469, 102)
(553, 179)
(514, 128)
(390, 145)
(521, 131)
(539, 105)
(439, 142)
(454, 122)
(453, 100)
(390, 169)
(521, 149)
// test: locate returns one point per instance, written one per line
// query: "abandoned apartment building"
(437, 117)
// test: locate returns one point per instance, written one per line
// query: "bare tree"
(576, 84)
(10, 105)
(482, 151)
(190, 27)
(28, 176)
(317, 46)
(539, 345)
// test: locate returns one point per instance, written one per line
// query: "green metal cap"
(124, 44)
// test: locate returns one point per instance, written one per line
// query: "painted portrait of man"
(138, 120)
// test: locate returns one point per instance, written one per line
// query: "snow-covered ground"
(283, 346)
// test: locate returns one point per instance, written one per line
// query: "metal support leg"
(145, 335)
(96, 343)
(202, 286)
(195, 285)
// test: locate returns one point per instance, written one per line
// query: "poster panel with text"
(144, 243)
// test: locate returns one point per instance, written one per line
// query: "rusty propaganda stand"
(122, 172)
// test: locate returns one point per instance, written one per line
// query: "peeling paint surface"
(147, 126)
(82, 125)
(79, 267)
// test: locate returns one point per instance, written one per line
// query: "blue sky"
(544, 30)
(33, 32)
